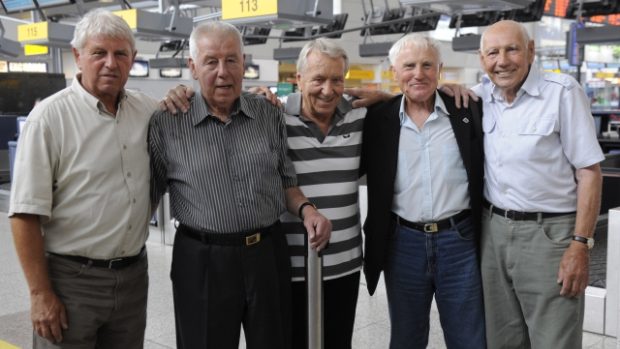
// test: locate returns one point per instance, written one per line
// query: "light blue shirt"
(533, 146)
(431, 180)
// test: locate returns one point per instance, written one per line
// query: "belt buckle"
(430, 228)
(112, 261)
(252, 239)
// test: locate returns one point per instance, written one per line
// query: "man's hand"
(48, 316)
(573, 273)
(266, 92)
(177, 98)
(459, 92)
(318, 227)
(366, 97)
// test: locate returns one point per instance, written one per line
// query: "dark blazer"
(379, 160)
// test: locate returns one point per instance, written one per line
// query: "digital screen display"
(170, 72)
(139, 69)
(49, 3)
(11, 6)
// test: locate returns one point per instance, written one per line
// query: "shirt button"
(128, 174)
(124, 147)
(129, 227)
(118, 121)
(134, 200)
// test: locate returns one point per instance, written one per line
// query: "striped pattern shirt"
(327, 173)
(222, 177)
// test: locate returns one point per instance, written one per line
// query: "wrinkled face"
(506, 57)
(218, 69)
(321, 83)
(417, 72)
(105, 63)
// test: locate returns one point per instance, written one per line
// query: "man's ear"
(192, 68)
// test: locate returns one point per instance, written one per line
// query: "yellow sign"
(387, 75)
(33, 50)
(6, 345)
(130, 16)
(32, 32)
(233, 9)
(357, 74)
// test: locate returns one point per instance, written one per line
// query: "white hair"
(524, 34)
(100, 22)
(216, 27)
(416, 41)
(325, 46)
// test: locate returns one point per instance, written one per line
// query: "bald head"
(506, 54)
(506, 26)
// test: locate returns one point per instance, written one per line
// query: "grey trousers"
(106, 308)
(520, 263)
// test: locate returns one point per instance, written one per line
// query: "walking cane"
(314, 284)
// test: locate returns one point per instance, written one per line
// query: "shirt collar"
(91, 100)
(530, 85)
(200, 108)
(293, 107)
(439, 108)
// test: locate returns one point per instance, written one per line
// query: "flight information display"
(11, 6)
(48, 3)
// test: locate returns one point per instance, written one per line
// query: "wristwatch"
(588, 241)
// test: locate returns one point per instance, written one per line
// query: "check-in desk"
(602, 309)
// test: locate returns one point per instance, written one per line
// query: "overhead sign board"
(32, 32)
(248, 8)
(281, 14)
(35, 50)
(45, 33)
(159, 26)
(130, 16)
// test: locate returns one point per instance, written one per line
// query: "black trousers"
(339, 303)
(217, 289)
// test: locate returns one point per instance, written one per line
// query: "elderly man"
(225, 165)
(325, 142)
(542, 165)
(79, 200)
(423, 160)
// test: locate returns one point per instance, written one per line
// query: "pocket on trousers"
(465, 230)
(558, 233)
(60, 268)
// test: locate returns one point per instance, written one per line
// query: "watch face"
(590, 243)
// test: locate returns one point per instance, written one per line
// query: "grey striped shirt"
(222, 177)
(327, 170)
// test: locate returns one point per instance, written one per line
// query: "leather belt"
(114, 263)
(523, 216)
(433, 227)
(226, 239)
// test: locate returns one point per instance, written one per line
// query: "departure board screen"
(11, 6)
(49, 3)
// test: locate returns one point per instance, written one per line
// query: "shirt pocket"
(543, 126)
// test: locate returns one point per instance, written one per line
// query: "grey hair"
(417, 41)
(524, 34)
(325, 46)
(216, 27)
(100, 22)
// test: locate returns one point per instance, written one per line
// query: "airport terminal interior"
(576, 37)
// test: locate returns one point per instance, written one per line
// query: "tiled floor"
(371, 327)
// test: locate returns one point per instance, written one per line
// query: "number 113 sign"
(232, 9)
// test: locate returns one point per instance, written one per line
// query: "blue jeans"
(443, 264)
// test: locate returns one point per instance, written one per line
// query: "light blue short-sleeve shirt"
(534, 144)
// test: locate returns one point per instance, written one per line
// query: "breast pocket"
(542, 126)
